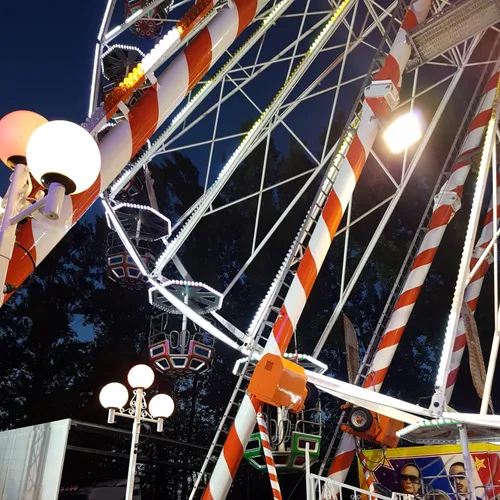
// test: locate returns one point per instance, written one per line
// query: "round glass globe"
(141, 377)
(161, 406)
(61, 148)
(113, 396)
(15, 131)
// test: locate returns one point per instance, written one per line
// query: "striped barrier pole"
(472, 291)
(321, 238)
(450, 193)
(268, 455)
(123, 141)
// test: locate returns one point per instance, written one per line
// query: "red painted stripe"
(461, 163)
(199, 57)
(492, 83)
(460, 342)
(207, 494)
(440, 217)
(307, 272)
(469, 152)
(452, 377)
(143, 119)
(488, 218)
(473, 304)
(410, 21)
(246, 12)
(480, 120)
(389, 71)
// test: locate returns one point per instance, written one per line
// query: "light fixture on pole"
(60, 155)
(114, 397)
(403, 132)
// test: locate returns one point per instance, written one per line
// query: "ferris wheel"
(298, 60)
(197, 72)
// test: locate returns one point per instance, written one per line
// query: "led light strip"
(147, 208)
(200, 94)
(252, 135)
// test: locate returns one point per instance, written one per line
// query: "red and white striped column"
(268, 455)
(473, 290)
(320, 241)
(122, 142)
(443, 212)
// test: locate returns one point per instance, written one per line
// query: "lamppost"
(61, 156)
(114, 397)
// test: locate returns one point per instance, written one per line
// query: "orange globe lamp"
(15, 131)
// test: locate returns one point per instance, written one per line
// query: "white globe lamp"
(113, 396)
(161, 406)
(141, 377)
(62, 152)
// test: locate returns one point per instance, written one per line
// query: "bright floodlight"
(403, 132)
(16, 129)
(161, 406)
(141, 377)
(65, 153)
(113, 396)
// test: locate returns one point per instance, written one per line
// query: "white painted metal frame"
(237, 79)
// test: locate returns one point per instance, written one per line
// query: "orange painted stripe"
(341, 462)
(143, 119)
(307, 272)
(233, 451)
(207, 494)
(332, 213)
(282, 330)
(391, 338)
(408, 297)
(424, 258)
(199, 57)
(246, 12)
(356, 156)
(375, 378)
(20, 265)
(83, 201)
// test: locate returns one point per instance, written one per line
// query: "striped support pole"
(122, 142)
(320, 241)
(268, 454)
(443, 213)
(366, 471)
(472, 291)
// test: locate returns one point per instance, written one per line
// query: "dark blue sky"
(48, 48)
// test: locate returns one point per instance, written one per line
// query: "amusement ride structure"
(169, 78)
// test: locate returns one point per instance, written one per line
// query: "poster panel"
(436, 472)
